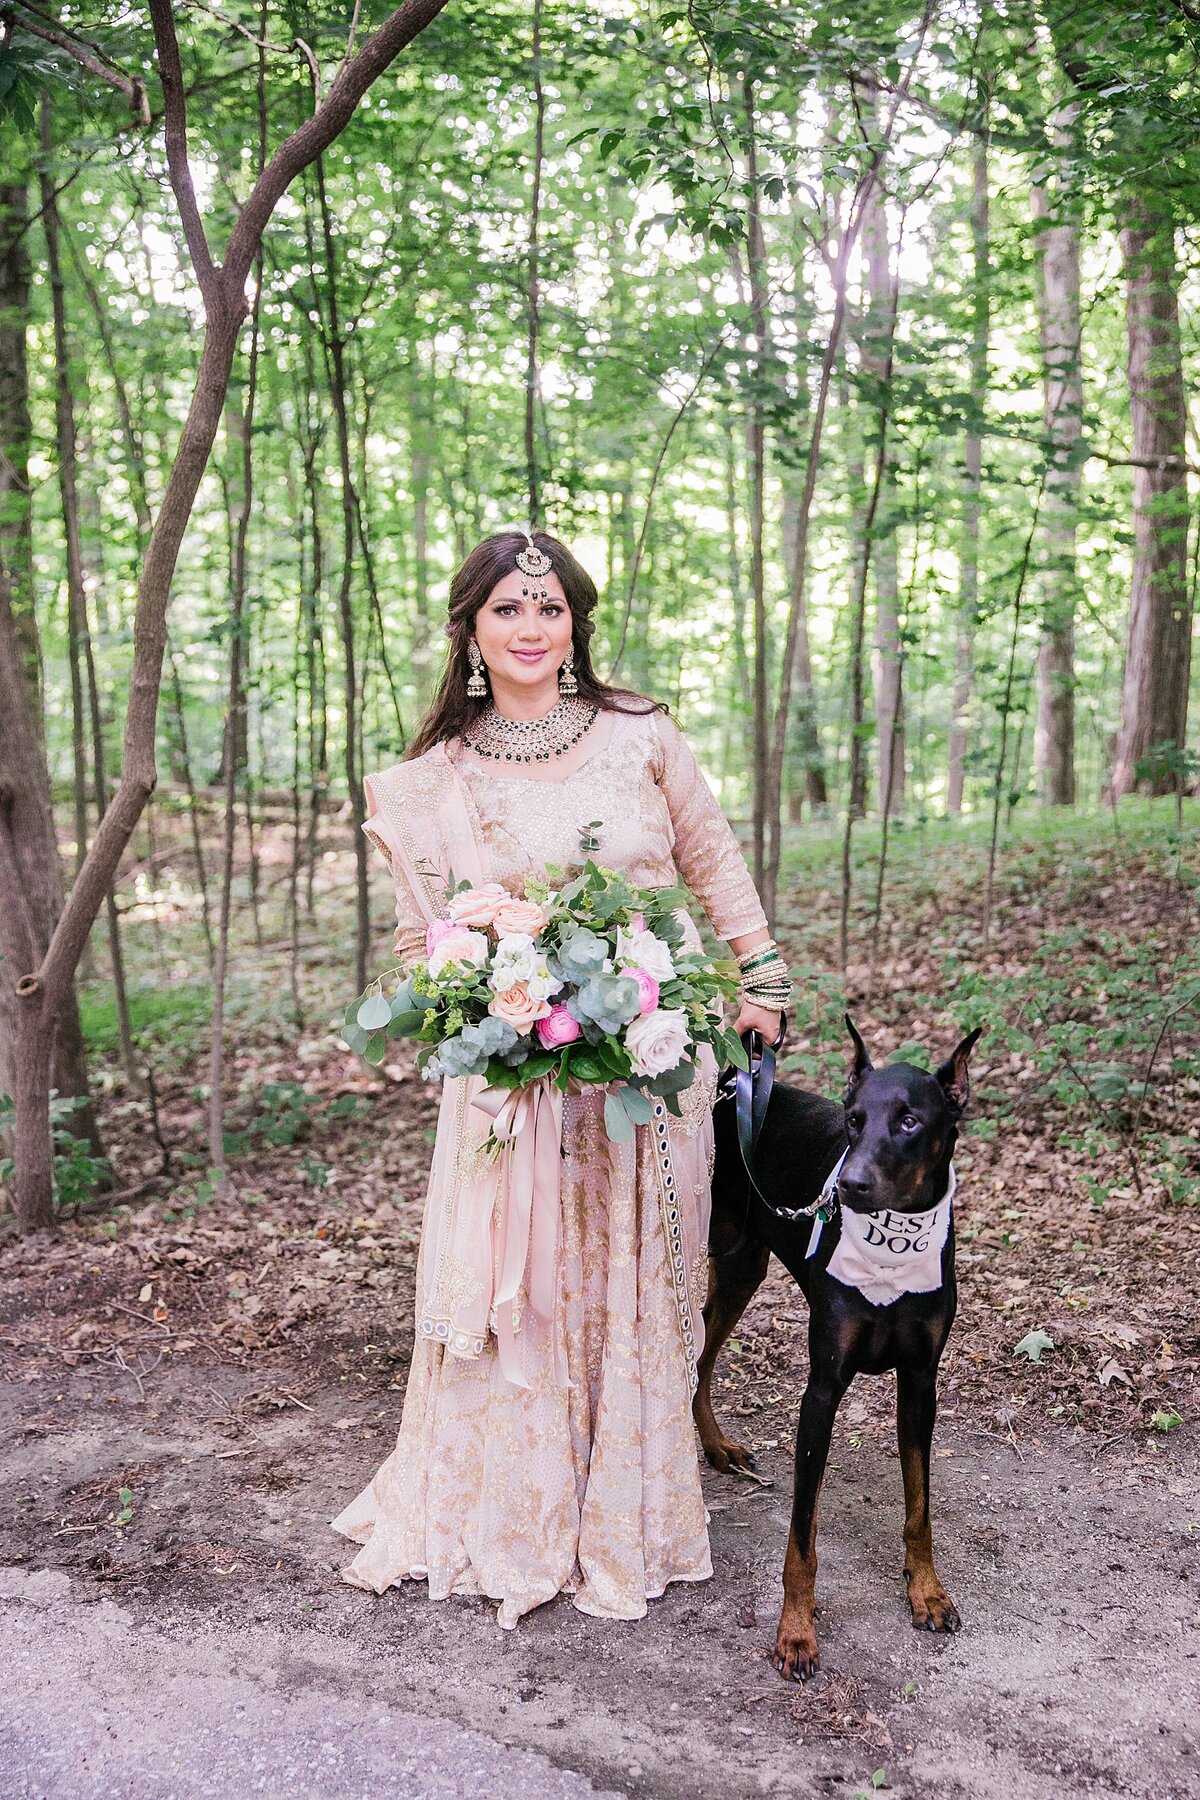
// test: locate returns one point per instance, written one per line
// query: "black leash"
(750, 1090)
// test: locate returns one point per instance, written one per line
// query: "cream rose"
(517, 1007)
(656, 1041)
(477, 905)
(524, 917)
(459, 946)
(642, 950)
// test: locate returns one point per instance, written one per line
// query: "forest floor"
(195, 1385)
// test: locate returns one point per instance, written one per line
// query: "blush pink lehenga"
(592, 1489)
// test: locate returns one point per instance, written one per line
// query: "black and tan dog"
(897, 1129)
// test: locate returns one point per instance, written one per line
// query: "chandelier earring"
(477, 682)
(567, 683)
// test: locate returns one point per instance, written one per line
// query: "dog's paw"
(730, 1458)
(795, 1655)
(933, 1610)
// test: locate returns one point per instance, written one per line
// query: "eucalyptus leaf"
(374, 1013)
(638, 1105)
(617, 1122)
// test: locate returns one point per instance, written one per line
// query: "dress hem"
(507, 1618)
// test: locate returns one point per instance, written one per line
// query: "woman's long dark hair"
(453, 708)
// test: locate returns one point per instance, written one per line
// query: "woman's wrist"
(766, 979)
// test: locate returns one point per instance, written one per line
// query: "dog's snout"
(856, 1186)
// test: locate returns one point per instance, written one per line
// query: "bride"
(524, 1488)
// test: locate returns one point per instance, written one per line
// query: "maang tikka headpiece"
(535, 564)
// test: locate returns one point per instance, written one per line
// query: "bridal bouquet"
(587, 983)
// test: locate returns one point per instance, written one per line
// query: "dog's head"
(902, 1124)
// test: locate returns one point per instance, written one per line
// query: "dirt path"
(207, 1645)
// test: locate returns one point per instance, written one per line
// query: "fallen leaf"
(1111, 1370)
(1032, 1345)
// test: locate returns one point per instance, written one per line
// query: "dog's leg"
(732, 1283)
(916, 1408)
(795, 1654)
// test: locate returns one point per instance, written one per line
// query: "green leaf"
(638, 1105)
(406, 1024)
(376, 1050)
(374, 1013)
(735, 1050)
(617, 1122)
(1165, 1421)
(1032, 1345)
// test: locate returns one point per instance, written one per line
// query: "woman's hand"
(757, 1018)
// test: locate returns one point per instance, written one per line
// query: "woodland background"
(853, 349)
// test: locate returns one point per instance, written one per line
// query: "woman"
(586, 1483)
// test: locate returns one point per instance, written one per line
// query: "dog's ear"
(953, 1077)
(862, 1064)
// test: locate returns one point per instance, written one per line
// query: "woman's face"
(524, 642)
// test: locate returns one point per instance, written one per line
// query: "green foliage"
(160, 1016)
(77, 1173)
(286, 1117)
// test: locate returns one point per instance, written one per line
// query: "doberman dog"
(895, 1133)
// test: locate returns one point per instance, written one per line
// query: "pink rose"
(477, 906)
(459, 946)
(516, 1008)
(436, 930)
(647, 989)
(518, 917)
(557, 1028)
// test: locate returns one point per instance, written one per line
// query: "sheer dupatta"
(489, 1240)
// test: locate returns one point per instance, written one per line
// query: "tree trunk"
(1158, 642)
(807, 760)
(16, 431)
(887, 661)
(362, 935)
(968, 556)
(1061, 330)
(84, 1121)
(756, 456)
(45, 992)
(532, 379)
(240, 493)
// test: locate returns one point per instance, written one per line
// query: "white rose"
(642, 950)
(541, 984)
(516, 960)
(656, 1041)
(459, 947)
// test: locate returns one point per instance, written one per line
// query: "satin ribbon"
(528, 1124)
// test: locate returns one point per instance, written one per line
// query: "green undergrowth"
(160, 1015)
(1087, 983)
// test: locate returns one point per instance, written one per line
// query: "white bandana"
(885, 1254)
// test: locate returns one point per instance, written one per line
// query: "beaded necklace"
(531, 740)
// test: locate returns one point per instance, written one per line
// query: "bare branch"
(260, 43)
(162, 17)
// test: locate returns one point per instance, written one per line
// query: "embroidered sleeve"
(706, 852)
(409, 942)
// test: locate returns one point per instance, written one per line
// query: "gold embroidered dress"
(592, 1489)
